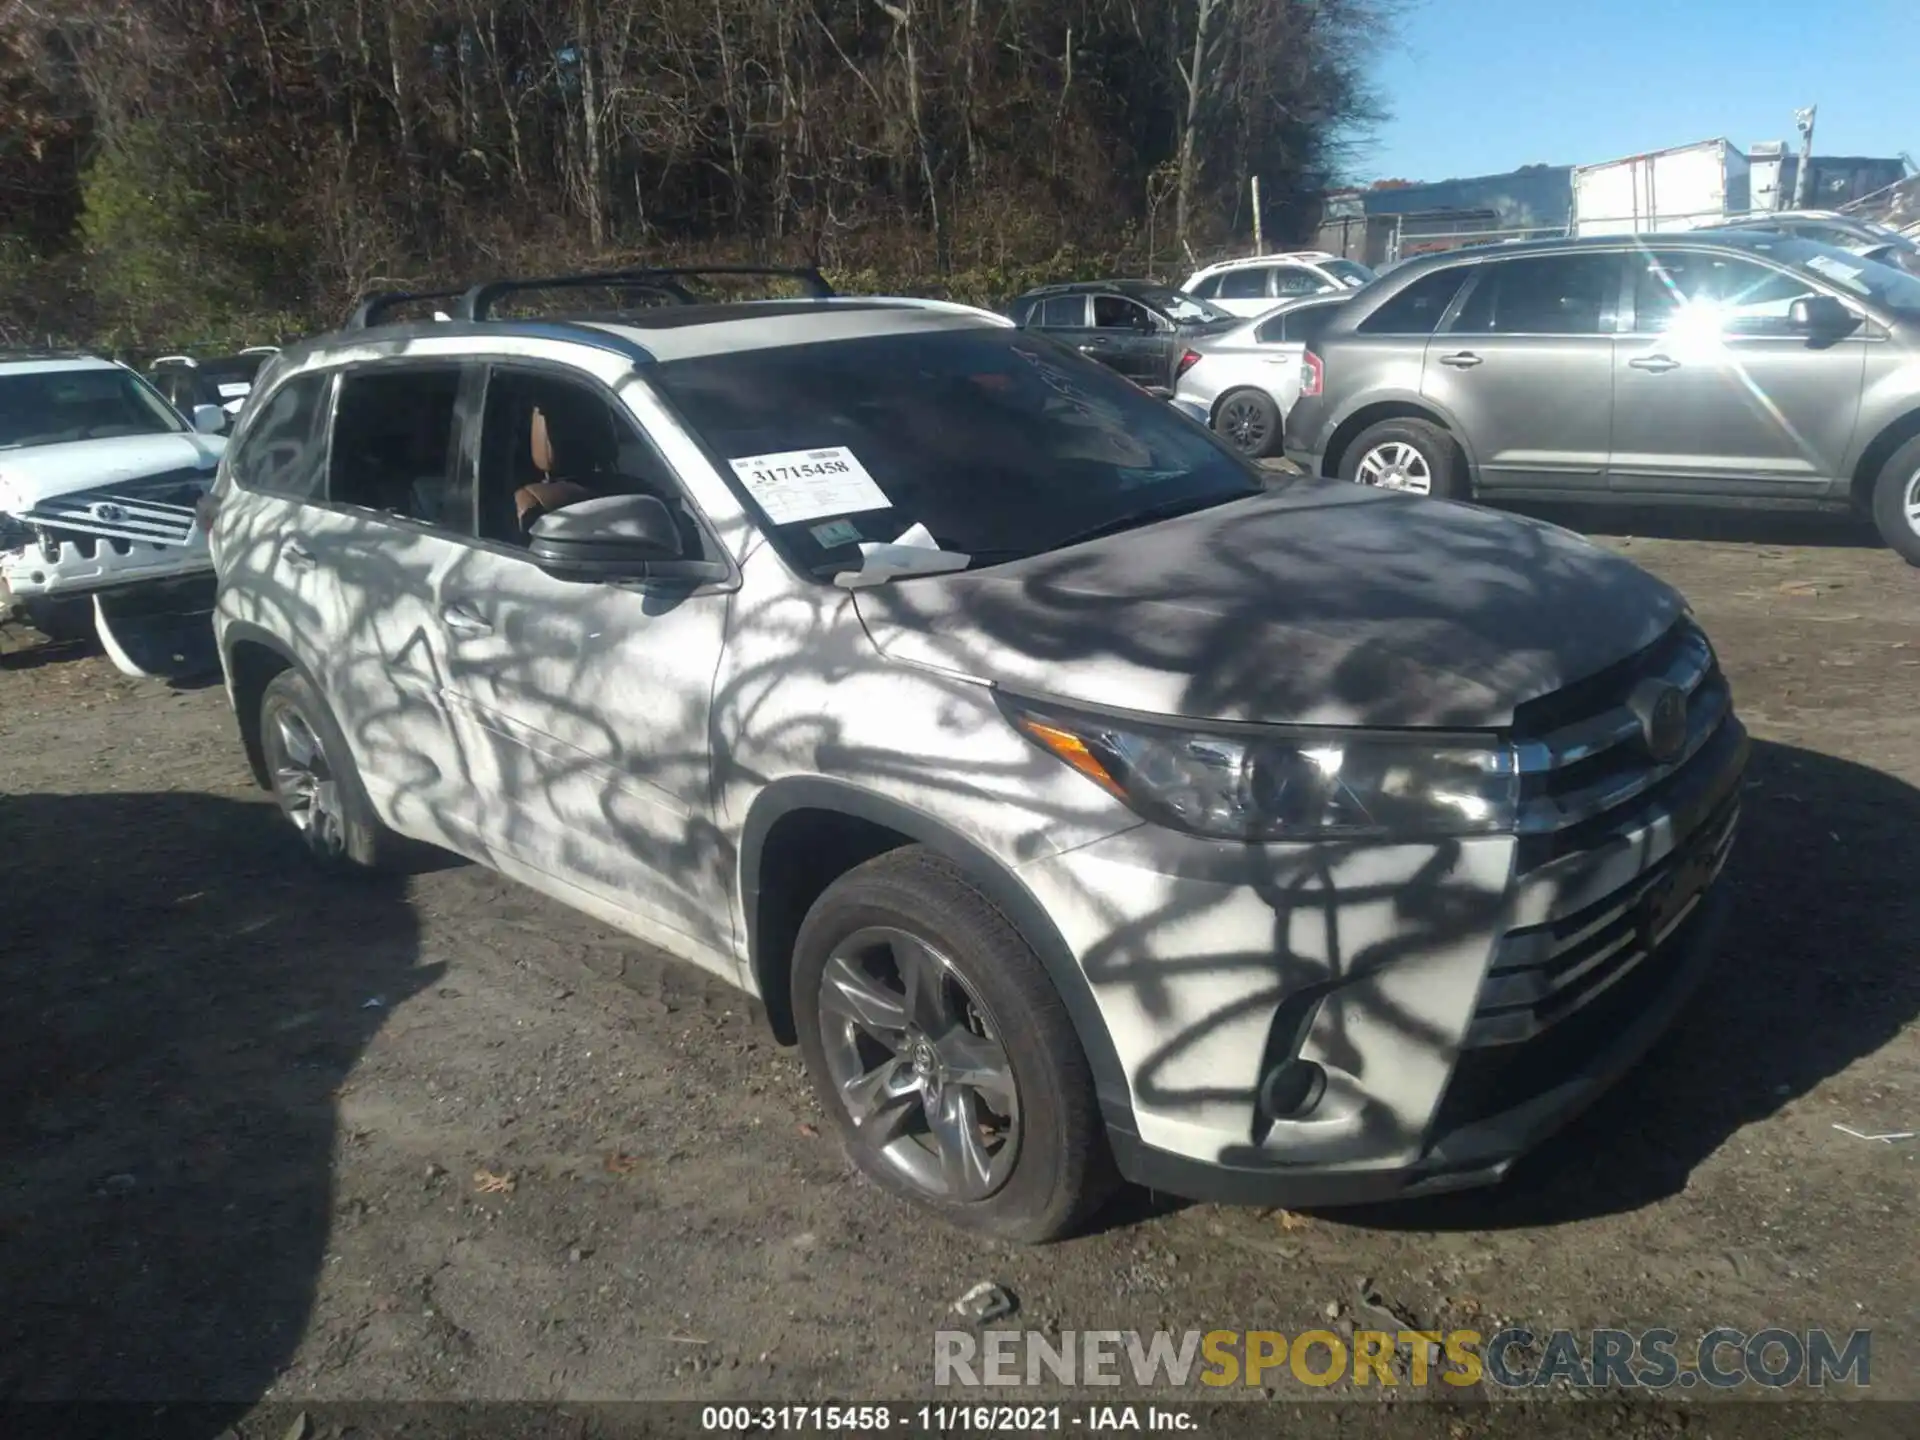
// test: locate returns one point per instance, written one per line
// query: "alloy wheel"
(1396, 465)
(304, 780)
(1910, 502)
(1244, 423)
(915, 1059)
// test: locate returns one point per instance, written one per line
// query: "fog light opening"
(1292, 1091)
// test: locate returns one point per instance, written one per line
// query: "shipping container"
(1678, 189)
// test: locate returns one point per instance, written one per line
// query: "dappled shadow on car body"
(1814, 974)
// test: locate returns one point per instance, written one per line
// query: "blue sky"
(1481, 86)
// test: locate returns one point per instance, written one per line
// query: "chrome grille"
(157, 510)
(1544, 973)
(1591, 789)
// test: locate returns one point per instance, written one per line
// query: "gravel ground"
(265, 1137)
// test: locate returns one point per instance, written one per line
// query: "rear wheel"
(1416, 457)
(314, 779)
(1896, 501)
(1249, 421)
(943, 1054)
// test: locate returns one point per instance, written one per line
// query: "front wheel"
(943, 1054)
(1416, 457)
(1249, 421)
(1896, 501)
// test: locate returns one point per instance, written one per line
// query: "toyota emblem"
(109, 513)
(1661, 708)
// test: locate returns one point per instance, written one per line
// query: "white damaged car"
(99, 479)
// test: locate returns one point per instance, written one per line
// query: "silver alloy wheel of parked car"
(1911, 503)
(914, 1058)
(304, 781)
(1396, 465)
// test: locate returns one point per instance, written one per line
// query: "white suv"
(99, 477)
(1256, 284)
(1077, 801)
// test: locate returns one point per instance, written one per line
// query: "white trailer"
(1678, 189)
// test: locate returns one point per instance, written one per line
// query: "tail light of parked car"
(1312, 374)
(1188, 360)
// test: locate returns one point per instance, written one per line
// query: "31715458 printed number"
(805, 470)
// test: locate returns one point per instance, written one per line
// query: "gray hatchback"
(1706, 368)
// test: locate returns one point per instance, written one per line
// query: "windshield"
(52, 407)
(1000, 444)
(1187, 309)
(1870, 279)
(1350, 273)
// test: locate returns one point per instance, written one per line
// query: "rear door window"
(1417, 309)
(1291, 280)
(396, 446)
(1543, 295)
(1063, 312)
(1247, 284)
(1301, 327)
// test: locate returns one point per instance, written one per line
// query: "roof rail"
(375, 308)
(173, 360)
(478, 303)
(261, 350)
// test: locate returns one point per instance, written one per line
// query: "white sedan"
(1243, 381)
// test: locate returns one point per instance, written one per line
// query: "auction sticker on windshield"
(797, 485)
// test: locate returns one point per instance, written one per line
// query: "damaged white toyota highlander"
(99, 477)
(1082, 802)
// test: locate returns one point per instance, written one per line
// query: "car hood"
(40, 472)
(1318, 603)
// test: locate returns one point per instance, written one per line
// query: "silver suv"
(1076, 801)
(1707, 368)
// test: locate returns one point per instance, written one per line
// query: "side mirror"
(616, 537)
(1820, 315)
(209, 419)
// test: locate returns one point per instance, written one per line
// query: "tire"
(63, 622)
(1249, 421)
(307, 762)
(1424, 458)
(1022, 1156)
(1896, 501)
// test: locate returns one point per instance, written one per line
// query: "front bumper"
(1472, 1155)
(1192, 409)
(30, 573)
(1460, 1002)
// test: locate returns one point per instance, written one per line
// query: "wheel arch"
(1874, 456)
(803, 833)
(251, 657)
(1244, 388)
(1396, 408)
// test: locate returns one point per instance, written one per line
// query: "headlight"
(1253, 784)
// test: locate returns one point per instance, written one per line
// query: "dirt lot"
(249, 1119)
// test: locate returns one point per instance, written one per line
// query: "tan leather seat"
(545, 494)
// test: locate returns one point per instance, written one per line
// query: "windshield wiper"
(1133, 519)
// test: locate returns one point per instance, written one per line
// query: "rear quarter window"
(281, 450)
(1417, 309)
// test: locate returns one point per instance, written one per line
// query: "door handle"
(1465, 360)
(463, 621)
(297, 555)
(1658, 364)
